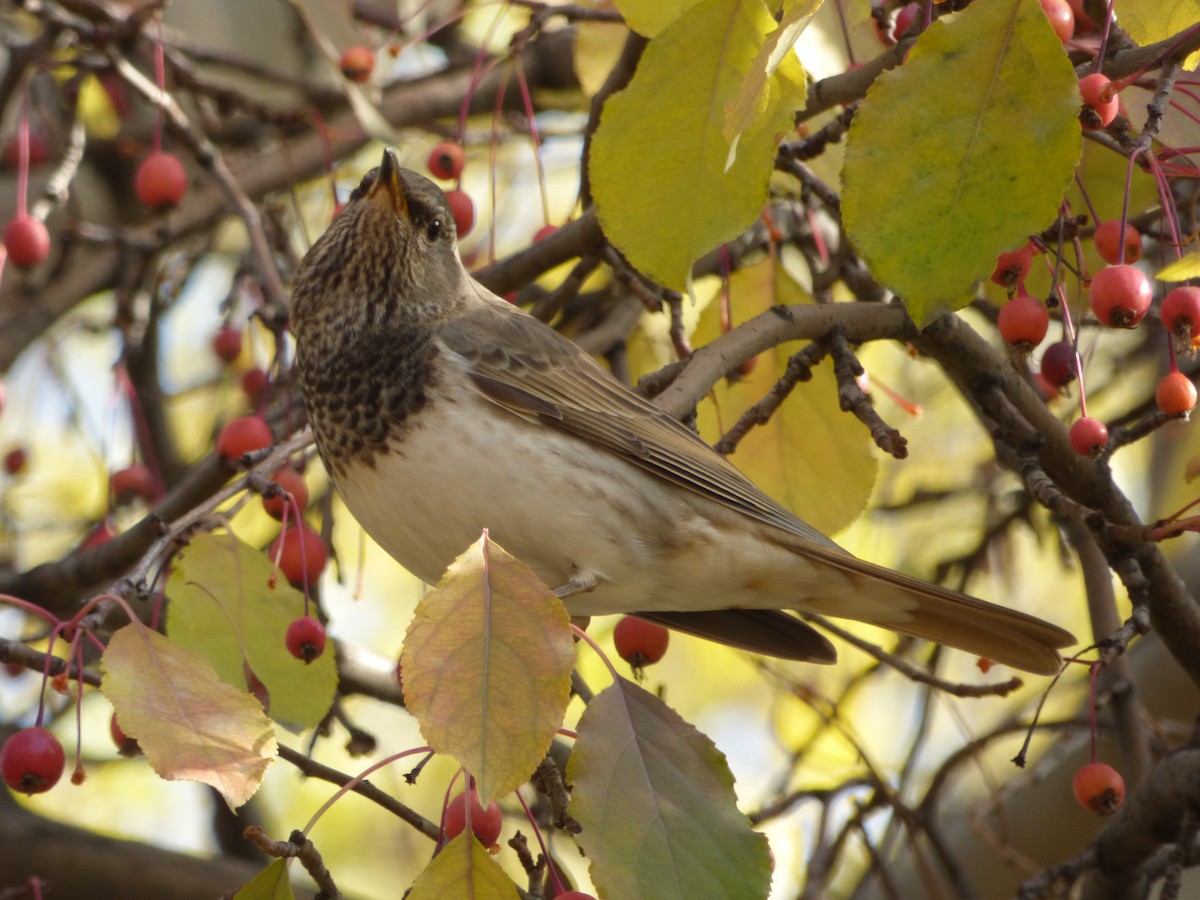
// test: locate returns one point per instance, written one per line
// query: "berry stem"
(1104, 32)
(493, 147)
(160, 79)
(586, 638)
(1093, 675)
(23, 154)
(358, 779)
(527, 102)
(537, 833)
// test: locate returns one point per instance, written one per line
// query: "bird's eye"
(433, 229)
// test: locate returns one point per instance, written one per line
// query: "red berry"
(640, 643)
(1013, 266)
(1058, 364)
(463, 210)
(1083, 22)
(1024, 321)
(132, 482)
(125, 745)
(32, 760)
(544, 232)
(1062, 20)
(1088, 436)
(254, 385)
(302, 554)
(305, 639)
(16, 460)
(27, 242)
(357, 63)
(242, 436)
(904, 20)
(1100, 104)
(227, 343)
(291, 481)
(749, 366)
(1099, 788)
(891, 32)
(485, 823)
(984, 664)
(1120, 296)
(446, 160)
(1175, 394)
(1181, 316)
(161, 180)
(1110, 247)
(99, 535)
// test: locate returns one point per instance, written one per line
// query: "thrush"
(440, 409)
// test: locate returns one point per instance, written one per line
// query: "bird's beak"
(388, 189)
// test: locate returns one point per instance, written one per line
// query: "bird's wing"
(533, 371)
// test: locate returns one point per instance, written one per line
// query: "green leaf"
(191, 724)
(961, 153)
(463, 869)
(649, 17)
(655, 799)
(272, 883)
(224, 607)
(1150, 21)
(487, 667)
(810, 456)
(667, 184)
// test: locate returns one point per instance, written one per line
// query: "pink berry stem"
(479, 68)
(160, 79)
(537, 833)
(23, 154)
(1093, 675)
(357, 780)
(845, 31)
(493, 148)
(432, 29)
(527, 102)
(1099, 66)
(77, 653)
(586, 638)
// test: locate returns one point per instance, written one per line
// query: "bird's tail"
(900, 603)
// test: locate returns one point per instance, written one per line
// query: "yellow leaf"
(272, 883)
(1182, 269)
(649, 17)
(751, 100)
(598, 46)
(1150, 21)
(1192, 471)
(487, 667)
(811, 456)
(463, 869)
(961, 153)
(95, 109)
(223, 608)
(659, 168)
(191, 725)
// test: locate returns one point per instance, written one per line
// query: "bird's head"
(390, 256)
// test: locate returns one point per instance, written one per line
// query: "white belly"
(652, 546)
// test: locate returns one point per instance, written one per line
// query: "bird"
(440, 409)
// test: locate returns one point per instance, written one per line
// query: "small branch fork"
(297, 846)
